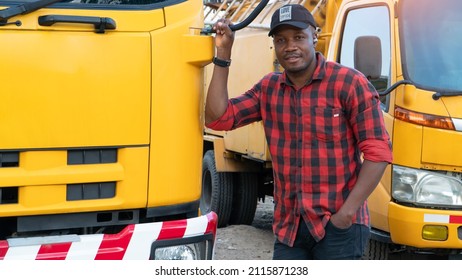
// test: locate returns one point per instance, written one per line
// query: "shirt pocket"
(330, 124)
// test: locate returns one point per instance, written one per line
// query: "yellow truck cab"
(409, 50)
(101, 142)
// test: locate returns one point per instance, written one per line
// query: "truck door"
(365, 44)
(75, 108)
(66, 83)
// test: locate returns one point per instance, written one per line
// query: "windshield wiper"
(394, 86)
(23, 9)
(435, 96)
(439, 94)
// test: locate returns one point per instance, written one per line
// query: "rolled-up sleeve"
(225, 122)
(376, 150)
(368, 123)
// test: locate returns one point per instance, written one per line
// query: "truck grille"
(90, 191)
(91, 156)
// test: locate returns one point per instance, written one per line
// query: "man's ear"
(315, 35)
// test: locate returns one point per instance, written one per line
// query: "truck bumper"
(134, 242)
(425, 228)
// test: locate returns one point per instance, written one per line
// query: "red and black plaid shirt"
(316, 136)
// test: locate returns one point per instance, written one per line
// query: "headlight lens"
(194, 250)
(424, 187)
(181, 252)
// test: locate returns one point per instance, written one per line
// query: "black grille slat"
(107, 190)
(9, 195)
(90, 191)
(91, 156)
(9, 159)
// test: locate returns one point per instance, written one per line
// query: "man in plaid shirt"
(319, 117)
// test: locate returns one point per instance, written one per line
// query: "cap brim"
(297, 24)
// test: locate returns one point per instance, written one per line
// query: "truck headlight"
(192, 248)
(180, 252)
(425, 187)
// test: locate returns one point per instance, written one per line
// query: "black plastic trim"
(380, 236)
(101, 24)
(190, 209)
(77, 220)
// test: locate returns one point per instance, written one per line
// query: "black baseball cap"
(294, 15)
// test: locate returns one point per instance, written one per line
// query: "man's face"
(294, 48)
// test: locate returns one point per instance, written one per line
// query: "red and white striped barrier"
(132, 243)
(445, 219)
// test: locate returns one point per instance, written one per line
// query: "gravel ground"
(248, 242)
(255, 242)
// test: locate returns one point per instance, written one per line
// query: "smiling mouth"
(291, 58)
(292, 55)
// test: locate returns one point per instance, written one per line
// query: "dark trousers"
(337, 244)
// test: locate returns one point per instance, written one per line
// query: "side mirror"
(368, 56)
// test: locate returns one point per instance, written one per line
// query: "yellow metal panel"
(253, 58)
(418, 100)
(146, 20)
(42, 188)
(454, 106)
(74, 89)
(258, 147)
(237, 140)
(389, 122)
(378, 202)
(190, 46)
(406, 225)
(407, 144)
(50, 168)
(437, 150)
(225, 161)
(254, 55)
(325, 17)
(176, 138)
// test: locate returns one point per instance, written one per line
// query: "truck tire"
(376, 250)
(245, 199)
(217, 190)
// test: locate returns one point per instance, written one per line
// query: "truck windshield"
(431, 37)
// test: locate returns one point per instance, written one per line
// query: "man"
(319, 117)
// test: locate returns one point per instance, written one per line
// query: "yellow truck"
(102, 134)
(409, 50)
